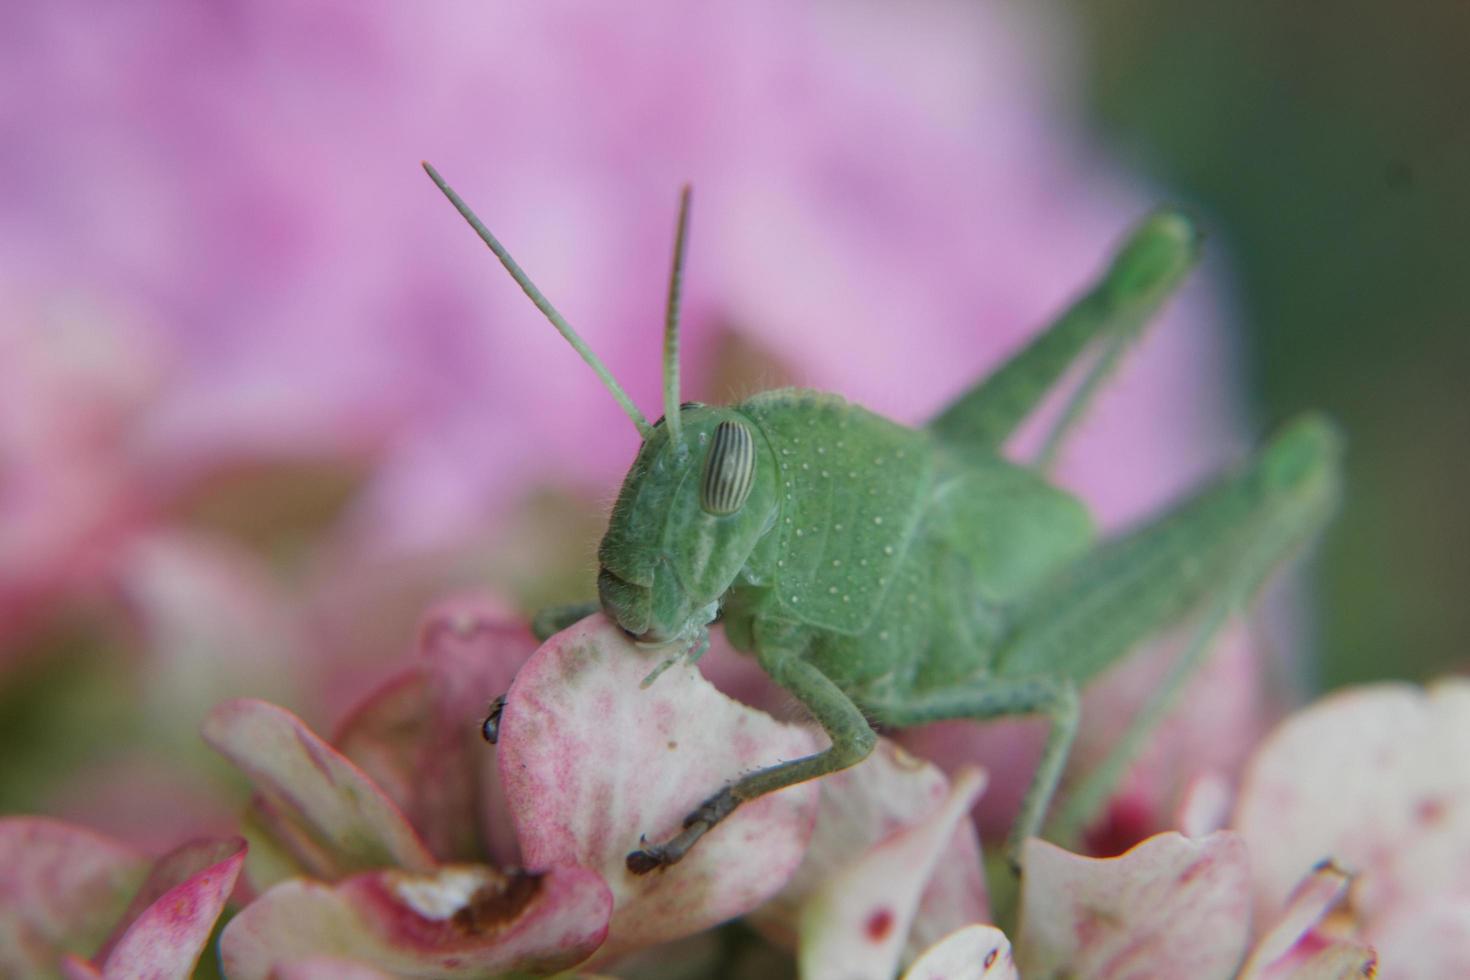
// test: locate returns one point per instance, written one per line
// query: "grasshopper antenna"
(542, 303)
(671, 325)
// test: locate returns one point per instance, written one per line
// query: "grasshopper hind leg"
(1099, 327)
(1206, 557)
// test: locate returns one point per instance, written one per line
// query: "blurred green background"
(1329, 145)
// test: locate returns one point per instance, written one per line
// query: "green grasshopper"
(897, 576)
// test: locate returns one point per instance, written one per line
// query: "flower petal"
(856, 923)
(457, 921)
(1373, 778)
(166, 938)
(385, 733)
(1316, 896)
(331, 817)
(328, 968)
(973, 953)
(1172, 906)
(473, 651)
(1427, 937)
(61, 889)
(889, 791)
(419, 736)
(1351, 961)
(592, 761)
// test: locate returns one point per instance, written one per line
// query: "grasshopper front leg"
(852, 741)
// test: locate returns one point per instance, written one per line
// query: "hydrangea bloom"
(79, 903)
(408, 847)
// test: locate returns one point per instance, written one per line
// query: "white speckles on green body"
(831, 526)
(901, 582)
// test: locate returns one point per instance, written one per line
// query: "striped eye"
(729, 470)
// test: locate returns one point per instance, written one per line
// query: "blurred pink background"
(263, 395)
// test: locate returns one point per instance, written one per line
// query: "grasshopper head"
(699, 496)
(686, 520)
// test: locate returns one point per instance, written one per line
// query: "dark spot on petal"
(879, 925)
(991, 957)
(496, 903)
(673, 745)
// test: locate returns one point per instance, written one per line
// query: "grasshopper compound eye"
(729, 470)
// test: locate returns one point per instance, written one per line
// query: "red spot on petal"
(990, 958)
(1194, 870)
(879, 925)
(1430, 811)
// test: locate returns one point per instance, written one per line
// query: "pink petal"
(856, 923)
(1318, 894)
(889, 791)
(167, 938)
(328, 968)
(473, 651)
(332, 817)
(1171, 906)
(457, 921)
(61, 889)
(972, 953)
(384, 736)
(1423, 937)
(1374, 778)
(419, 736)
(591, 762)
(168, 872)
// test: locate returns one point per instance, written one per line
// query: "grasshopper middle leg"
(1001, 697)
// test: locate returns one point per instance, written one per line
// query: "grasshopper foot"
(648, 859)
(696, 825)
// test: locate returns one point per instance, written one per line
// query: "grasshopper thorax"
(689, 514)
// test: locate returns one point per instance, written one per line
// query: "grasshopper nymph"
(902, 576)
